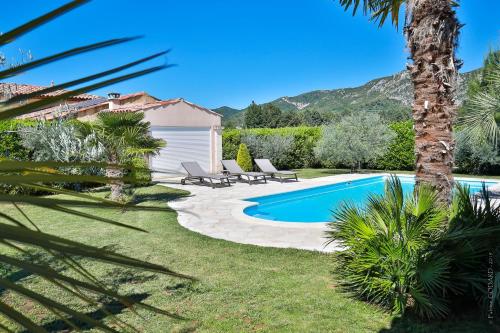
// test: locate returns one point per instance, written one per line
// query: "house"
(192, 132)
(9, 90)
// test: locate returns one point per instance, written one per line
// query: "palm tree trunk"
(432, 31)
(115, 185)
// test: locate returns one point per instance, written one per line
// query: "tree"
(271, 116)
(356, 139)
(290, 119)
(481, 116)
(243, 158)
(431, 30)
(475, 154)
(312, 117)
(124, 135)
(254, 116)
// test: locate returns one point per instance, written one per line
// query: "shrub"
(355, 140)
(244, 159)
(273, 147)
(11, 146)
(400, 154)
(475, 154)
(60, 141)
(412, 253)
(300, 144)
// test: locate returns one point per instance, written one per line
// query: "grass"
(241, 288)
(315, 173)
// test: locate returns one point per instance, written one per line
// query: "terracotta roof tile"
(16, 89)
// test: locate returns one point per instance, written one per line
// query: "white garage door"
(183, 144)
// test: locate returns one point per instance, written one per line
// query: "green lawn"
(314, 173)
(242, 288)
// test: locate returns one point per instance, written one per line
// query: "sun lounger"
(235, 170)
(195, 171)
(268, 168)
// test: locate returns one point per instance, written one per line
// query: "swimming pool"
(316, 204)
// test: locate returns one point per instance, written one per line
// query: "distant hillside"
(227, 111)
(387, 93)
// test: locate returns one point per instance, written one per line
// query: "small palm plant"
(413, 253)
(125, 136)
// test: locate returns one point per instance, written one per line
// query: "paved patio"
(218, 213)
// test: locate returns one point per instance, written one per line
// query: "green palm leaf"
(19, 236)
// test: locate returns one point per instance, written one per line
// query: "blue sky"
(233, 52)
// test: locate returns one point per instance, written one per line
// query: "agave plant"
(20, 236)
(412, 253)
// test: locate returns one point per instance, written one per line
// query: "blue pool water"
(316, 204)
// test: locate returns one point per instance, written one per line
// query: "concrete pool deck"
(218, 213)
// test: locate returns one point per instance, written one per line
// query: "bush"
(414, 254)
(11, 146)
(273, 147)
(300, 145)
(355, 140)
(400, 154)
(60, 141)
(475, 154)
(244, 159)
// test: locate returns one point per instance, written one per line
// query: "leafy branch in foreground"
(18, 236)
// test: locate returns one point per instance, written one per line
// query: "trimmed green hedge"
(301, 154)
(400, 154)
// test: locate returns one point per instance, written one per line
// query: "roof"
(103, 103)
(143, 107)
(137, 94)
(16, 89)
(65, 109)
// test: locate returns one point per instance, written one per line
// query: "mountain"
(226, 111)
(390, 93)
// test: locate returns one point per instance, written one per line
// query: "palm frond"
(378, 10)
(6, 113)
(19, 237)
(10, 36)
(481, 116)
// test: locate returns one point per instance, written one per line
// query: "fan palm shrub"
(22, 235)
(124, 136)
(413, 253)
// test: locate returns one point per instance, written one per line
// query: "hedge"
(301, 154)
(400, 153)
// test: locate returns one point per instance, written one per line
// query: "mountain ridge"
(394, 92)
